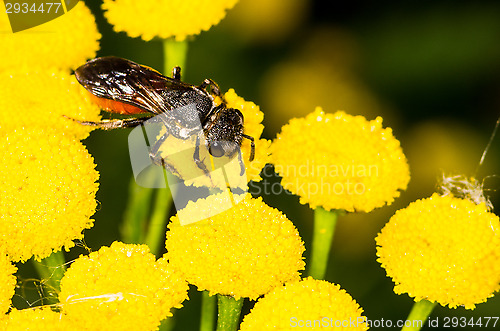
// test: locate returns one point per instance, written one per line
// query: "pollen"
(443, 249)
(244, 251)
(121, 287)
(165, 19)
(47, 98)
(339, 161)
(47, 191)
(62, 43)
(309, 304)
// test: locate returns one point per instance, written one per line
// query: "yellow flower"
(443, 249)
(65, 42)
(164, 19)
(308, 304)
(244, 251)
(40, 318)
(47, 192)
(8, 283)
(189, 171)
(339, 161)
(121, 287)
(42, 99)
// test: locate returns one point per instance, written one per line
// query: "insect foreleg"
(155, 153)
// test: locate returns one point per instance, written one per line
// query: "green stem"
(137, 210)
(157, 224)
(229, 313)
(51, 270)
(418, 315)
(207, 312)
(324, 228)
(174, 54)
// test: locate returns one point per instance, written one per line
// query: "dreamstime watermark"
(175, 142)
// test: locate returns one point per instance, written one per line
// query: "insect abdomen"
(116, 107)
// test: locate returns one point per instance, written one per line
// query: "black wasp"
(125, 87)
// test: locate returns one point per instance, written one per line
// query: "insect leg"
(155, 154)
(176, 73)
(213, 86)
(196, 157)
(114, 124)
(157, 159)
(252, 146)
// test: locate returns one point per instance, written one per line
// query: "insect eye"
(216, 149)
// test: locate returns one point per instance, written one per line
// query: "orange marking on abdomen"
(116, 107)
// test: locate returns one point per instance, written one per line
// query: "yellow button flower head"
(121, 287)
(47, 192)
(244, 251)
(339, 161)
(189, 171)
(442, 249)
(65, 42)
(165, 18)
(7, 283)
(40, 318)
(42, 99)
(307, 304)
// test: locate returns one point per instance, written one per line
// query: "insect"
(125, 87)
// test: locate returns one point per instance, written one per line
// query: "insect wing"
(125, 86)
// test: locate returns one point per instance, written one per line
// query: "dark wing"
(125, 82)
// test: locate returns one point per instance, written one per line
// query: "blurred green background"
(431, 69)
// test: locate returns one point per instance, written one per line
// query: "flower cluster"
(232, 252)
(122, 287)
(309, 303)
(339, 161)
(45, 98)
(443, 249)
(48, 192)
(164, 19)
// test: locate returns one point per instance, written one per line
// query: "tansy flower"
(179, 153)
(40, 318)
(121, 287)
(339, 161)
(443, 249)
(42, 99)
(307, 304)
(164, 19)
(7, 283)
(47, 189)
(244, 251)
(65, 42)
